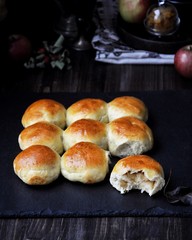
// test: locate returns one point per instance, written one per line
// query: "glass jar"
(162, 20)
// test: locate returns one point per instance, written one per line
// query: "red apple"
(20, 48)
(133, 11)
(183, 61)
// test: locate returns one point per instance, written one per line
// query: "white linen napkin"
(110, 48)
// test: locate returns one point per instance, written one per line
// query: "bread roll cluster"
(41, 142)
(77, 142)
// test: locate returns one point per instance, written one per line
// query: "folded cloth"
(108, 45)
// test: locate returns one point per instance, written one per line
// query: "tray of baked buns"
(94, 154)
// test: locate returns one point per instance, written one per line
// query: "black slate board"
(170, 118)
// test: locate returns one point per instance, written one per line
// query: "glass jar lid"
(162, 20)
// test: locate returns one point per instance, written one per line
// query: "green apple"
(133, 11)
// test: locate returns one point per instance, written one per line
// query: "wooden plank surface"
(88, 75)
(96, 228)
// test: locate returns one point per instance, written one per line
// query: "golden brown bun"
(42, 133)
(129, 136)
(45, 110)
(85, 162)
(137, 172)
(89, 108)
(37, 165)
(127, 106)
(85, 130)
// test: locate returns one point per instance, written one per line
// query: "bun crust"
(129, 136)
(89, 108)
(127, 106)
(85, 162)
(45, 110)
(86, 130)
(137, 172)
(37, 165)
(42, 133)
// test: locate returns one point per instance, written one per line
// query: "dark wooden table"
(87, 75)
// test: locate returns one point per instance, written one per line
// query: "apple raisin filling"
(136, 180)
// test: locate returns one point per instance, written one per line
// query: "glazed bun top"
(45, 110)
(85, 162)
(138, 172)
(129, 136)
(42, 133)
(139, 163)
(89, 108)
(85, 130)
(37, 165)
(127, 106)
(129, 127)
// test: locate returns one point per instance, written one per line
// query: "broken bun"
(127, 106)
(85, 130)
(85, 162)
(45, 110)
(42, 133)
(137, 172)
(129, 136)
(89, 108)
(37, 165)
